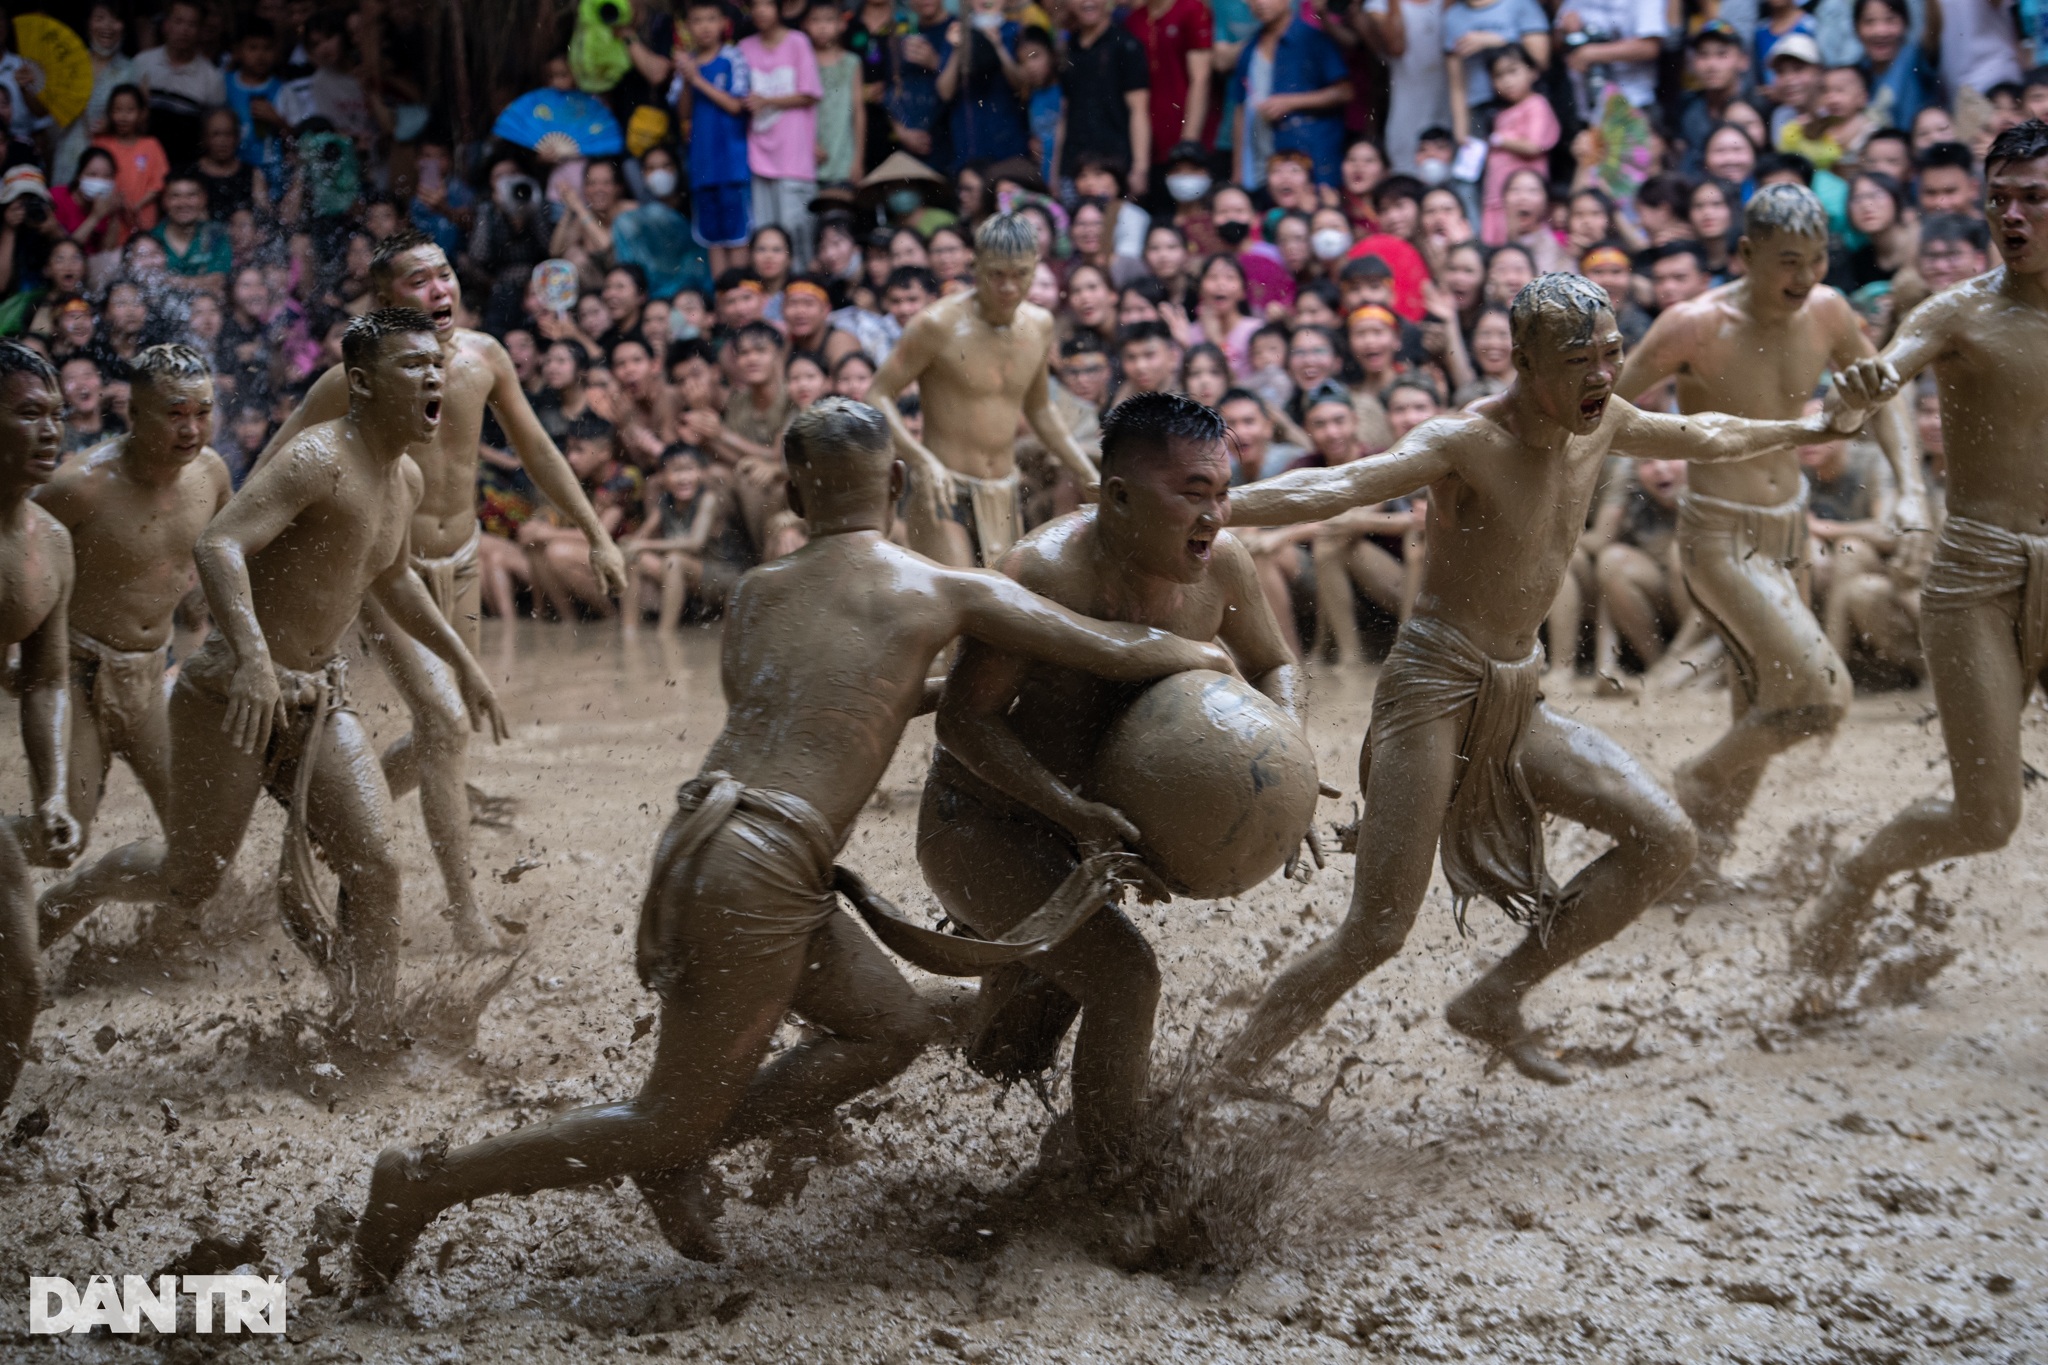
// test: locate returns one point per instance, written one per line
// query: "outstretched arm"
(549, 471)
(1715, 437)
(1008, 616)
(399, 591)
(1922, 339)
(1662, 352)
(1892, 426)
(1421, 458)
(45, 716)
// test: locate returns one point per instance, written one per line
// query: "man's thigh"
(1758, 609)
(348, 805)
(1980, 689)
(1408, 777)
(214, 788)
(851, 989)
(1578, 772)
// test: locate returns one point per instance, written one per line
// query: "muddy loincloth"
(122, 687)
(991, 510)
(449, 577)
(1492, 839)
(1977, 563)
(1738, 561)
(311, 699)
(758, 879)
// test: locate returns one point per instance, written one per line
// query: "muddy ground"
(1722, 1184)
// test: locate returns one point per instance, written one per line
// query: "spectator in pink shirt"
(1524, 131)
(782, 141)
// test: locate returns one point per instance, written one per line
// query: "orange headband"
(1376, 313)
(806, 287)
(749, 282)
(1603, 255)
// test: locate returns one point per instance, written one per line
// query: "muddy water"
(1721, 1185)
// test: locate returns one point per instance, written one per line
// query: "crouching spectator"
(690, 550)
(557, 553)
(1642, 598)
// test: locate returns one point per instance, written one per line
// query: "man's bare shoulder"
(79, 485)
(315, 450)
(1954, 309)
(211, 468)
(42, 529)
(1053, 559)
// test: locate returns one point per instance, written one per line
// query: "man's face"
(1888, 155)
(1407, 409)
(1400, 216)
(180, 31)
(1168, 509)
(31, 429)
(81, 387)
(738, 307)
(1945, 264)
(1001, 282)
(1086, 376)
(1798, 83)
(588, 458)
(2016, 208)
(631, 366)
(1334, 429)
(1148, 365)
(1613, 277)
(184, 203)
(1247, 424)
(172, 417)
(1718, 65)
(621, 296)
(1572, 378)
(1662, 480)
(405, 377)
(421, 278)
(1842, 94)
(1677, 279)
(1374, 343)
(1784, 266)
(905, 302)
(1947, 189)
(754, 362)
(804, 312)
(1881, 32)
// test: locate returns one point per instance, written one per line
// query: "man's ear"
(358, 381)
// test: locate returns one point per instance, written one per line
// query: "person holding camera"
(511, 238)
(1612, 42)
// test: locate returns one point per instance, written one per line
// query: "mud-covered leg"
(21, 976)
(1579, 773)
(1408, 780)
(1980, 690)
(348, 814)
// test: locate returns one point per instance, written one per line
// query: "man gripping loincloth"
(826, 654)
(979, 362)
(1461, 749)
(1984, 605)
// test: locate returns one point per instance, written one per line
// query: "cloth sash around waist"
(1777, 533)
(1976, 562)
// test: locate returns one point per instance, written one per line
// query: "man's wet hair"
(1006, 236)
(1145, 426)
(366, 335)
(16, 358)
(168, 363)
(1955, 227)
(1792, 209)
(835, 423)
(906, 275)
(1564, 307)
(2022, 142)
(384, 257)
(1139, 332)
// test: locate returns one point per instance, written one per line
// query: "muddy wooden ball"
(1217, 779)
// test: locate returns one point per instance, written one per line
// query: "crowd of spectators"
(1308, 213)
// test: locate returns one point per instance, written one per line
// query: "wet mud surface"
(1722, 1184)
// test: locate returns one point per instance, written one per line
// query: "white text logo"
(223, 1303)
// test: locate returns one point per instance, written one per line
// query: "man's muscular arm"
(1662, 353)
(913, 354)
(1922, 339)
(300, 475)
(1715, 437)
(1421, 458)
(1052, 429)
(45, 709)
(1004, 614)
(399, 591)
(549, 471)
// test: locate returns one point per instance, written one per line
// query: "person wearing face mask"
(655, 237)
(1328, 240)
(1187, 173)
(1236, 227)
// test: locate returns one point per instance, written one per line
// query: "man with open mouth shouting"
(1757, 348)
(410, 271)
(1461, 746)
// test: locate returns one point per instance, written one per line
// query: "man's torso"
(1752, 369)
(973, 390)
(133, 545)
(1994, 407)
(32, 563)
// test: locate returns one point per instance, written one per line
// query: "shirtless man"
(1003, 818)
(1461, 746)
(134, 507)
(826, 653)
(286, 567)
(979, 361)
(409, 271)
(1757, 348)
(1984, 604)
(35, 590)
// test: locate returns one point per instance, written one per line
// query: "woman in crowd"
(1220, 317)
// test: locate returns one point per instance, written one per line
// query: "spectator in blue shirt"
(1291, 85)
(1902, 79)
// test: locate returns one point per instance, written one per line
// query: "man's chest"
(28, 585)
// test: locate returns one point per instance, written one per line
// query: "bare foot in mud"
(492, 812)
(1494, 1019)
(1825, 931)
(396, 1215)
(686, 1207)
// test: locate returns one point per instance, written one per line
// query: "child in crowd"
(782, 136)
(688, 550)
(1524, 130)
(842, 114)
(711, 88)
(140, 163)
(1039, 67)
(557, 553)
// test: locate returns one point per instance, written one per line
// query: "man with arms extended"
(1984, 605)
(1003, 819)
(1461, 746)
(1757, 348)
(826, 653)
(409, 271)
(286, 566)
(134, 508)
(35, 590)
(978, 360)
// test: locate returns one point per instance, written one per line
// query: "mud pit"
(1720, 1185)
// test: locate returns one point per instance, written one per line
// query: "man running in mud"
(1461, 746)
(1984, 605)
(826, 655)
(134, 507)
(286, 566)
(979, 362)
(1003, 818)
(1758, 347)
(35, 590)
(409, 271)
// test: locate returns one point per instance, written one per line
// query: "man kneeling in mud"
(825, 658)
